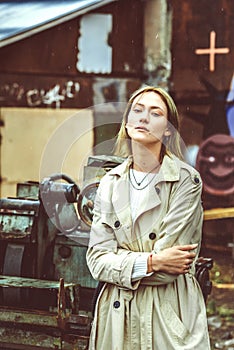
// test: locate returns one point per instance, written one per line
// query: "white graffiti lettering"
(36, 97)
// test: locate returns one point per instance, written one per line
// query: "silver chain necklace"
(139, 183)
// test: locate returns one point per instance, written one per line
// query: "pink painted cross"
(212, 50)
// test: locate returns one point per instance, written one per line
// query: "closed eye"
(155, 114)
(137, 109)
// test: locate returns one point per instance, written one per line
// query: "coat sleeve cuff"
(140, 268)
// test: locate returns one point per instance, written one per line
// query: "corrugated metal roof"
(20, 19)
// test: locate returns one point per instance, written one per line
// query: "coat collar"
(169, 171)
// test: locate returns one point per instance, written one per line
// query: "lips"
(141, 128)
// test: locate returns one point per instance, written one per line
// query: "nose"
(145, 116)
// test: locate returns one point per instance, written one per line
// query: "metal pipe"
(19, 204)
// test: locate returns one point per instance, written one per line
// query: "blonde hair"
(170, 144)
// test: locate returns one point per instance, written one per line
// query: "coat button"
(116, 304)
(152, 235)
(157, 190)
(117, 224)
(196, 179)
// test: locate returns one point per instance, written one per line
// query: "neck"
(144, 158)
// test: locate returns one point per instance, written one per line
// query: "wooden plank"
(23, 282)
(218, 213)
(224, 285)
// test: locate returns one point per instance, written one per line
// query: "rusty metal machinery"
(46, 290)
(45, 286)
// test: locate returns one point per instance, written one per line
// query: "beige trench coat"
(162, 311)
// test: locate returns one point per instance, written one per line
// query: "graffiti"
(37, 97)
(212, 51)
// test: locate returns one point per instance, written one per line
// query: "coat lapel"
(148, 200)
(121, 200)
(150, 195)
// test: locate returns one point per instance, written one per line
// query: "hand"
(175, 260)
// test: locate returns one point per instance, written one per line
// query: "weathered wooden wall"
(200, 79)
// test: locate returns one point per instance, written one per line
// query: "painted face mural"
(215, 162)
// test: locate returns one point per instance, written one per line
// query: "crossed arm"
(173, 252)
(175, 260)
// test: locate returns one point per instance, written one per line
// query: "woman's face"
(147, 120)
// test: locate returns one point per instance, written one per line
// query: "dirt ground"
(220, 303)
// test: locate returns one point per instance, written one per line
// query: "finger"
(187, 268)
(191, 255)
(189, 262)
(184, 270)
(187, 247)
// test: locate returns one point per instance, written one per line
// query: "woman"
(146, 236)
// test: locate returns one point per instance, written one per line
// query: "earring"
(167, 133)
(166, 139)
